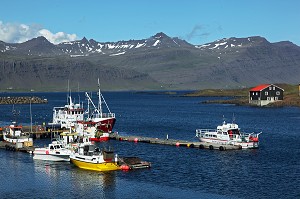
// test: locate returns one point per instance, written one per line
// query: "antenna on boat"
(233, 119)
(78, 93)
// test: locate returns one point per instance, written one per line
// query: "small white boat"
(229, 133)
(55, 151)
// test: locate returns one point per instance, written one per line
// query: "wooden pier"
(177, 143)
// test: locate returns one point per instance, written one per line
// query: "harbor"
(183, 169)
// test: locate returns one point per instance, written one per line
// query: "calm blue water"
(272, 171)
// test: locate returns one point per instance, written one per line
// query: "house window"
(256, 93)
(274, 88)
(266, 93)
(276, 98)
(270, 88)
(268, 98)
(277, 92)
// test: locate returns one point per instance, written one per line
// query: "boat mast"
(99, 98)
(30, 118)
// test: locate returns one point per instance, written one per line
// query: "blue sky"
(196, 21)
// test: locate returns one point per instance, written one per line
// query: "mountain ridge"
(158, 62)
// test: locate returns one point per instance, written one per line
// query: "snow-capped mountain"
(158, 62)
(41, 46)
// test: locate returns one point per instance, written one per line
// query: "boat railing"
(108, 115)
(201, 132)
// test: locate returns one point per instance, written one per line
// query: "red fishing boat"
(98, 124)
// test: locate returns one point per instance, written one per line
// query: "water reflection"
(64, 176)
(100, 184)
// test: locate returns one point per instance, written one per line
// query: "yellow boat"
(89, 157)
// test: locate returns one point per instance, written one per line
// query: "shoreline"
(240, 97)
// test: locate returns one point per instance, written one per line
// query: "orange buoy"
(177, 144)
(135, 139)
(124, 167)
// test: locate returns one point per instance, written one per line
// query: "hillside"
(156, 63)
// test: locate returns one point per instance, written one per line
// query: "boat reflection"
(101, 184)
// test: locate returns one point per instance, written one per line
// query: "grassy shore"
(241, 96)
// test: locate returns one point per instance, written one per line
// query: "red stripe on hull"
(107, 125)
(101, 139)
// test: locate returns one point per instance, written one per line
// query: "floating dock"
(172, 142)
(41, 133)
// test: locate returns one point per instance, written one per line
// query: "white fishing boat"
(14, 134)
(66, 116)
(229, 133)
(55, 151)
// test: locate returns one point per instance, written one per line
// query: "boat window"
(224, 133)
(214, 136)
(51, 147)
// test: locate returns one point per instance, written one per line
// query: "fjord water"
(272, 171)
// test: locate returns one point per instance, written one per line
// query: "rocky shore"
(22, 100)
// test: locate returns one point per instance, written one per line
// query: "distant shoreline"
(241, 96)
(22, 100)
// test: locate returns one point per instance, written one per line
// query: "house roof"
(263, 86)
(260, 87)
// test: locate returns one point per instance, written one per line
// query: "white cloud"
(18, 33)
(57, 37)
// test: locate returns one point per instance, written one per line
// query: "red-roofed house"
(264, 94)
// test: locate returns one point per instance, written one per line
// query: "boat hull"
(49, 157)
(107, 124)
(244, 145)
(105, 166)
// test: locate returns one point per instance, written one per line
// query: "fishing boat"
(55, 151)
(66, 116)
(90, 157)
(105, 121)
(229, 133)
(14, 134)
